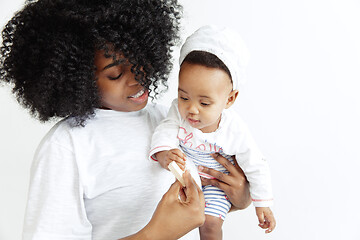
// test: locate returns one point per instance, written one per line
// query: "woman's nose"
(132, 82)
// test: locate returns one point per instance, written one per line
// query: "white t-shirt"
(232, 137)
(95, 182)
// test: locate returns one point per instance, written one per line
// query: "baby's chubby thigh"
(217, 203)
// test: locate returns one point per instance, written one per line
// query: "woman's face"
(118, 88)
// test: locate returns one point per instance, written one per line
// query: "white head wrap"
(223, 42)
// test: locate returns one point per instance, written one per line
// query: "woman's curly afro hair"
(48, 50)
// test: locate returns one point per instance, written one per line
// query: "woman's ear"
(231, 98)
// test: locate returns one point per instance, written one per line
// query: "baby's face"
(203, 94)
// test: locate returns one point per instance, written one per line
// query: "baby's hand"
(266, 219)
(165, 157)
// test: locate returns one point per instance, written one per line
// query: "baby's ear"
(231, 98)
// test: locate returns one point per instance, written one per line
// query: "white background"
(302, 104)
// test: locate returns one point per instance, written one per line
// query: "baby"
(200, 123)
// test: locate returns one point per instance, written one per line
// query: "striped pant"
(216, 202)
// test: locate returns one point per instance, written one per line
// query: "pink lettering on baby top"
(187, 138)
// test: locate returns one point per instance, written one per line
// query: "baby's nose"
(193, 109)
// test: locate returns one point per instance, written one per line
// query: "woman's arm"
(173, 218)
(234, 184)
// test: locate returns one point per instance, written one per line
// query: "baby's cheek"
(182, 113)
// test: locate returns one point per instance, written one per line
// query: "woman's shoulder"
(158, 111)
(60, 133)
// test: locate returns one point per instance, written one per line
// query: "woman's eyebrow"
(111, 65)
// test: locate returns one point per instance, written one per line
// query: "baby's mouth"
(193, 121)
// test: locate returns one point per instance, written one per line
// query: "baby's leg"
(216, 208)
(212, 228)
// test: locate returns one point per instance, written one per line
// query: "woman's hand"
(173, 217)
(234, 184)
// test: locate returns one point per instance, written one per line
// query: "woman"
(94, 64)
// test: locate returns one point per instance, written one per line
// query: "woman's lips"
(140, 96)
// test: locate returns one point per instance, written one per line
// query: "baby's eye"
(115, 78)
(205, 104)
(184, 98)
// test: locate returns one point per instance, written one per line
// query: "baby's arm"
(165, 138)
(167, 156)
(257, 172)
(256, 169)
(266, 218)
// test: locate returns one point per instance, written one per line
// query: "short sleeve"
(55, 208)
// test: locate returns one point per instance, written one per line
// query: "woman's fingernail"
(200, 168)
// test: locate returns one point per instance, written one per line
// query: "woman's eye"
(115, 78)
